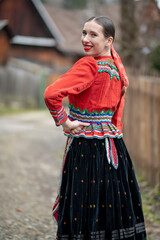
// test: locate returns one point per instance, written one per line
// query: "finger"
(72, 132)
(76, 130)
(84, 124)
(79, 128)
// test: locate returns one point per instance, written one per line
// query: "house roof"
(4, 26)
(3, 23)
(70, 24)
(48, 20)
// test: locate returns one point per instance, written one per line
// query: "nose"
(85, 39)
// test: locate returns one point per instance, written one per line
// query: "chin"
(88, 54)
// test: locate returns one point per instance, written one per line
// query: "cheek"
(102, 45)
(99, 46)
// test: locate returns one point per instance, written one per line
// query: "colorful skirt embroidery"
(99, 196)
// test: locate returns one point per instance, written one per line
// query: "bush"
(155, 59)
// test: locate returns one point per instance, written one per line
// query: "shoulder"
(86, 62)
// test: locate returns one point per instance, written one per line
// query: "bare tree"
(128, 31)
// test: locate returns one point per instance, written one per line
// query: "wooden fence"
(22, 84)
(142, 125)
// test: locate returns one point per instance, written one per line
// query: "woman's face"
(94, 42)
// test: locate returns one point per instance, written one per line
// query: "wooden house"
(36, 36)
(45, 33)
(51, 35)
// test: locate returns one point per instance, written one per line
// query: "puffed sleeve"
(77, 79)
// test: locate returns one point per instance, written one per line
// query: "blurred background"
(39, 41)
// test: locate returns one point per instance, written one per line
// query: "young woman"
(99, 196)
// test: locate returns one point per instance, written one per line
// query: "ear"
(109, 41)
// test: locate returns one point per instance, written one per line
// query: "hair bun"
(123, 90)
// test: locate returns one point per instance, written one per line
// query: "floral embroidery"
(109, 67)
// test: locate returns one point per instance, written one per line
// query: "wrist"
(66, 124)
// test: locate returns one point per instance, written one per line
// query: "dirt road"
(31, 151)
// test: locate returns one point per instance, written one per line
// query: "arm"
(76, 80)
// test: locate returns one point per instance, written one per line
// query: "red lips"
(87, 47)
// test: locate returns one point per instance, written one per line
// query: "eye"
(84, 33)
(93, 34)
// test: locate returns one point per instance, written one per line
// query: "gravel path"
(31, 152)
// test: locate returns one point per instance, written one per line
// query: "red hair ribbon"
(121, 69)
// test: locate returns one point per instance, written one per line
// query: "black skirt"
(99, 195)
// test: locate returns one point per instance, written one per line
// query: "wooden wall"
(23, 18)
(4, 48)
(49, 56)
(142, 125)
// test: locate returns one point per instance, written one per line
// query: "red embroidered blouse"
(93, 87)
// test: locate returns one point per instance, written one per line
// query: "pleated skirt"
(99, 196)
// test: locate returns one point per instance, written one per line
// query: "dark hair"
(106, 23)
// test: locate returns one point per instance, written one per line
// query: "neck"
(108, 52)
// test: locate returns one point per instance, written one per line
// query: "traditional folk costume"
(99, 196)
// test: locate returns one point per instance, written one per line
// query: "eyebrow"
(94, 32)
(89, 31)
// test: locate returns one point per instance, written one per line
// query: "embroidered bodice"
(93, 87)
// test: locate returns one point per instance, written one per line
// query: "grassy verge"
(12, 111)
(151, 201)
